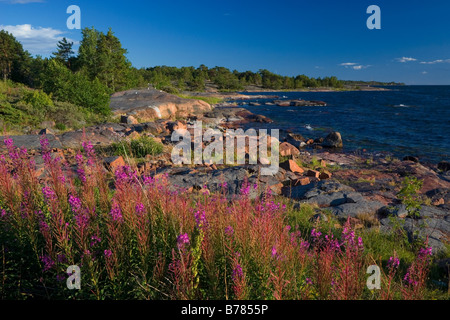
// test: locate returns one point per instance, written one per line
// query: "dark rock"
(411, 158)
(396, 211)
(342, 200)
(333, 140)
(46, 132)
(319, 217)
(319, 140)
(436, 230)
(299, 103)
(295, 137)
(346, 210)
(175, 125)
(31, 142)
(444, 166)
(128, 120)
(313, 173)
(324, 175)
(234, 177)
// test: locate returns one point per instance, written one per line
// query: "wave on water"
(402, 106)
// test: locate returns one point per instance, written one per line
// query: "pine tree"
(87, 53)
(11, 55)
(113, 66)
(65, 52)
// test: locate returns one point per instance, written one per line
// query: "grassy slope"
(23, 109)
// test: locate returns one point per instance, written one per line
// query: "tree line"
(87, 79)
(100, 67)
(195, 79)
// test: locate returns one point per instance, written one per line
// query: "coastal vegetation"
(145, 239)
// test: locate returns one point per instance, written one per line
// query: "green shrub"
(76, 88)
(170, 89)
(61, 126)
(37, 99)
(138, 148)
(410, 197)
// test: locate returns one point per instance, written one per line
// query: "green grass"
(210, 100)
(138, 148)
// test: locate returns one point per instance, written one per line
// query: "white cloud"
(405, 59)
(37, 40)
(424, 72)
(354, 66)
(436, 61)
(21, 1)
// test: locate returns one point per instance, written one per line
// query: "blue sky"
(316, 38)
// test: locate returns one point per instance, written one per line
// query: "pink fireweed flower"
(237, 273)
(45, 150)
(274, 252)
(348, 236)
(116, 213)
(149, 181)
(61, 258)
(80, 170)
(79, 158)
(13, 154)
(125, 175)
(309, 281)
(229, 231)
(81, 220)
(75, 204)
(183, 241)
(315, 234)
(360, 243)
(245, 190)
(9, 143)
(90, 152)
(425, 252)
(49, 194)
(304, 245)
(140, 209)
(48, 263)
(393, 262)
(200, 219)
(95, 240)
(107, 253)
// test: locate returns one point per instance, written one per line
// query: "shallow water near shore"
(408, 120)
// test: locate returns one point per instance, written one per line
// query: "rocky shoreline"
(360, 187)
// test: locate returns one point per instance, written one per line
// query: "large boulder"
(151, 104)
(333, 140)
(343, 201)
(287, 149)
(191, 179)
(435, 230)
